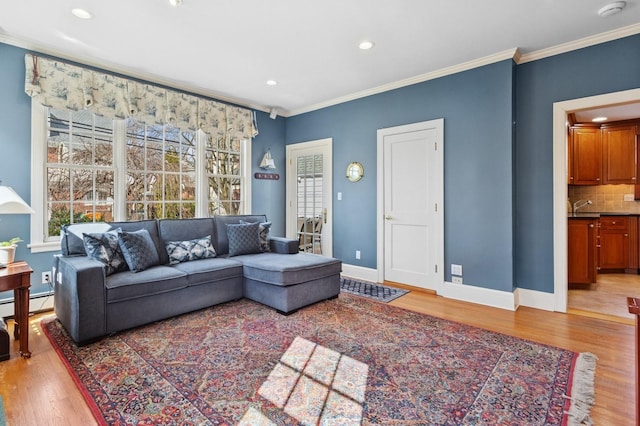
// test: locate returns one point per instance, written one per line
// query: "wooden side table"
(17, 277)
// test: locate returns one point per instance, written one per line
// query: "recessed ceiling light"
(81, 13)
(365, 45)
(175, 3)
(271, 82)
(612, 8)
(599, 119)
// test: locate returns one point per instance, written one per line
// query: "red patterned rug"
(340, 362)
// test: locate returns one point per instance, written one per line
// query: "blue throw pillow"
(244, 238)
(104, 248)
(264, 235)
(138, 250)
(184, 251)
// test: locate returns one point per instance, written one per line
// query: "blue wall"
(15, 158)
(15, 162)
(604, 68)
(498, 187)
(477, 109)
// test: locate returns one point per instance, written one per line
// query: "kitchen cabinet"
(581, 264)
(585, 156)
(614, 243)
(619, 159)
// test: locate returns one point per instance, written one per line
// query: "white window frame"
(39, 186)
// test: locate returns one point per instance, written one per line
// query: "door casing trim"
(327, 144)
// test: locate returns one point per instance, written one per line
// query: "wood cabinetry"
(614, 243)
(585, 156)
(619, 159)
(582, 250)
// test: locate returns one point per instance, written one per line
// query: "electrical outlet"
(456, 280)
(357, 254)
(46, 277)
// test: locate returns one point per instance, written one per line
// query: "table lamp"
(11, 203)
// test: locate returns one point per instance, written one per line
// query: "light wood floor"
(606, 298)
(39, 391)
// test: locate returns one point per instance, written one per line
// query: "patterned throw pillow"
(264, 235)
(244, 238)
(138, 250)
(104, 248)
(184, 251)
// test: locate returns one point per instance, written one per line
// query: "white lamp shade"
(11, 203)
(267, 162)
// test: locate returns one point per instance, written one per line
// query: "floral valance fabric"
(60, 85)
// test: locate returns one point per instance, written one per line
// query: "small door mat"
(370, 290)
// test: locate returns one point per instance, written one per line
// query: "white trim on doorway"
(560, 112)
(320, 146)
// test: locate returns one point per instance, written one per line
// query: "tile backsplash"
(604, 198)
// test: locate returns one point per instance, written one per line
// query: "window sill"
(44, 247)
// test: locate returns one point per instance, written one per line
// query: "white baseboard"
(480, 295)
(37, 302)
(360, 273)
(468, 293)
(535, 299)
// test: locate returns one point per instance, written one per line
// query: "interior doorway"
(561, 111)
(309, 201)
(410, 204)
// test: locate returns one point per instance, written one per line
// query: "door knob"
(387, 217)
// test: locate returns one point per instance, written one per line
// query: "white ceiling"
(228, 49)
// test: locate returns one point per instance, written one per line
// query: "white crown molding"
(497, 57)
(87, 60)
(581, 43)
(514, 53)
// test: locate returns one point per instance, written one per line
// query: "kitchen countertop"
(591, 215)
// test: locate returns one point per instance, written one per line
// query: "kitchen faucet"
(580, 204)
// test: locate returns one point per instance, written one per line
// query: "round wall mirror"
(355, 171)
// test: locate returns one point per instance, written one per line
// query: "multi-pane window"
(224, 175)
(161, 172)
(79, 170)
(310, 202)
(160, 163)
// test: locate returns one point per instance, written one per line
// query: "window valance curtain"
(60, 85)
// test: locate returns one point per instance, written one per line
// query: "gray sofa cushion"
(207, 270)
(151, 226)
(185, 251)
(71, 243)
(264, 235)
(104, 248)
(157, 279)
(244, 238)
(220, 240)
(276, 269)
(183, 230)
(138, 250)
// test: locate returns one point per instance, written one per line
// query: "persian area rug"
(348, 361)
(370, 290)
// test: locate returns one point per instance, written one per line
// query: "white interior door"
(309, 183)
(411, 211)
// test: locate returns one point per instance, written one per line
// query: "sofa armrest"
(80, 297)
(283, 245)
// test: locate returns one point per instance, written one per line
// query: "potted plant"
(8, 250)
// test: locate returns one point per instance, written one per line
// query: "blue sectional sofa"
(174, 266)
